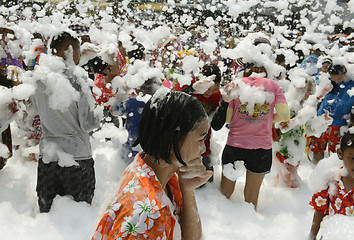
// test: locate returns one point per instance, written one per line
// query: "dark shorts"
(77, 181)
(258, 161)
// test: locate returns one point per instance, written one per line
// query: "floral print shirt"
(141, 209)
(334, 200)
(106, 91)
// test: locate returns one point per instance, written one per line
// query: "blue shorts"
(258, 161)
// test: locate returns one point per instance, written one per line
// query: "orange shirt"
(141, 209)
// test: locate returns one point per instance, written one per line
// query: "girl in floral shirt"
(156, 192)
(338, 197)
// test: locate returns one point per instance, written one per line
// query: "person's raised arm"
(283, 112)
(219, 117)
(229, 114)
(89, 114)
(190, 177)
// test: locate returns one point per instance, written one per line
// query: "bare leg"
(253, 184)
(227, 186)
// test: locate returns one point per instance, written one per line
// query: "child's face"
(348, 158)
(338, 78)
(193, 146)
(76, 53)
(212, 90)
(69, 49)
(325, 67)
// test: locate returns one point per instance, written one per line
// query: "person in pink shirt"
(251, 116)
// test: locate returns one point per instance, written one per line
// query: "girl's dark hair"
(347, 141)
(212, 69)
(166, 121)
(260, 40)
(137, 53)
(61, 40)
(280, 58)
(336, 69)
(327, 60)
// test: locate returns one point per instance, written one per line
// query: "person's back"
(66, 109)
(68, 129)
(131, 111)
(338, 103)
(254, 127)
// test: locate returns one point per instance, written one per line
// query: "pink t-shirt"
(252, 131)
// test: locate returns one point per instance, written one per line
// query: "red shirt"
(210, 104)
(106, 92)
(334, 200)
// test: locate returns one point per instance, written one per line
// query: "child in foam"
(104, 81)
(10, 66)
(338, 102)
(65, 165)
(171, 74)
(131, 109)
(338, 197)
(292, 140)
(249, 138)
(206, 87)
(156, 194)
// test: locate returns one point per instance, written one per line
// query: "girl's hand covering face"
(193, 175)
(203, 84)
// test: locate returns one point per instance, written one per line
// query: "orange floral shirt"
(141, 209)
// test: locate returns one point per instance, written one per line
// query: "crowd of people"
(285, 98)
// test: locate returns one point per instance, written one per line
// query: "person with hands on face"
(206, 88)
(157, 190)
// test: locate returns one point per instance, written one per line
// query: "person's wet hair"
(212, 69)
(280, 58)
(347, 141)
(137, 53)
(62, 40)
(166, 121)
(261, 40)
(336, 69)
